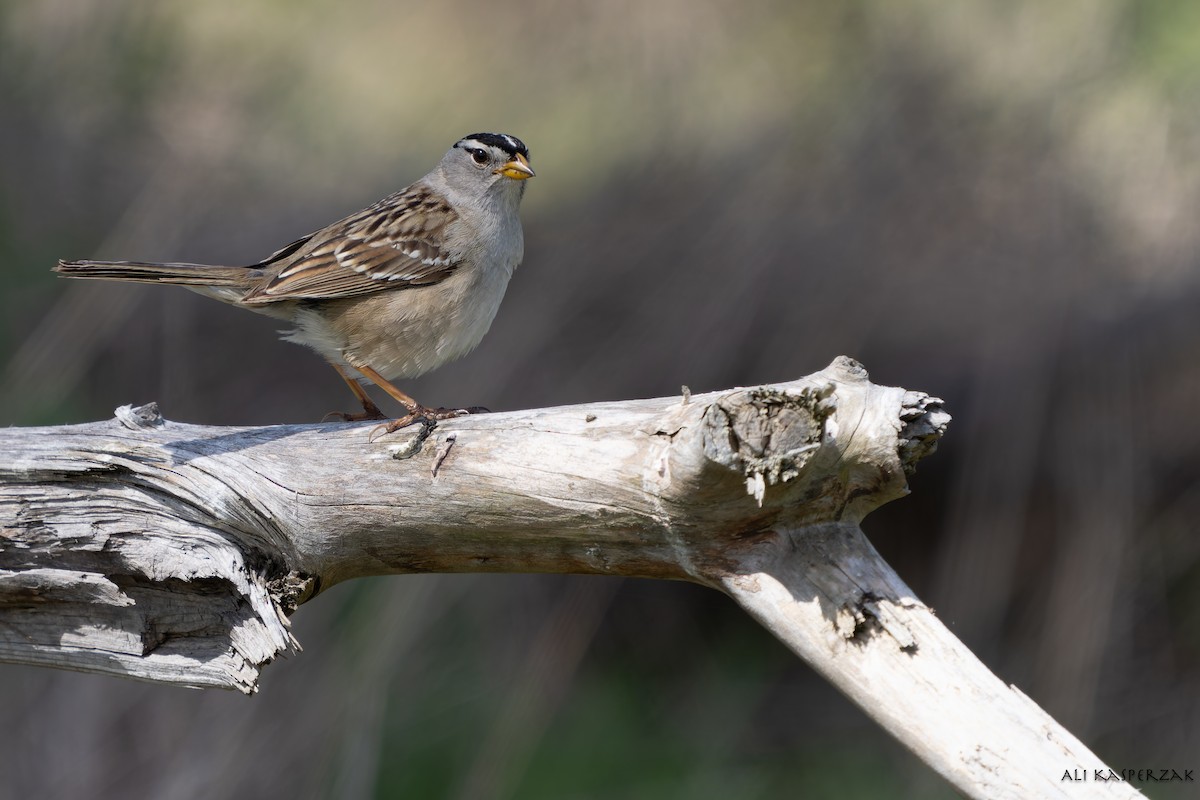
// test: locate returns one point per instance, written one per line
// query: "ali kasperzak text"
(1080, 775)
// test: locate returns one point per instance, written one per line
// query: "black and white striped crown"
(509, 144)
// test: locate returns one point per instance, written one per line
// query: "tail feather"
(147, 272)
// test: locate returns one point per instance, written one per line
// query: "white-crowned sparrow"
(393, 291)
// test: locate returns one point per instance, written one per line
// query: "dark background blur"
(992, 202)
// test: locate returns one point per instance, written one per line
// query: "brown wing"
(397, 243)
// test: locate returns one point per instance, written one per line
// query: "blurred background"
(995, 203)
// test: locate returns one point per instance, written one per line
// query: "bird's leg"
(416, 411)
(410, 405)
(370, 410)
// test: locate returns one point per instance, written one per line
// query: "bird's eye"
(480, 157)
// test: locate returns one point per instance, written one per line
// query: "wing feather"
(399, 242)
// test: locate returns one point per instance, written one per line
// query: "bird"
(393, 291)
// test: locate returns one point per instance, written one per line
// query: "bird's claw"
(391, 426)
(426, 416)
(370, 411)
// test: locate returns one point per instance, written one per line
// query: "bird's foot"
(370, 411)
(425, 416)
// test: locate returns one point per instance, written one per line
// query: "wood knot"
(767, 434)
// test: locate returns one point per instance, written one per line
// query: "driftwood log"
(175, 553)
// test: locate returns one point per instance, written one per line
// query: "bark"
(175, 553)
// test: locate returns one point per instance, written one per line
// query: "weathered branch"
(174, 553)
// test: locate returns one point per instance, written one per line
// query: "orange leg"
(410, 405)
(370, 410)
(414, 411)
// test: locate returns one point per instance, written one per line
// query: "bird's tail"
(147, 272)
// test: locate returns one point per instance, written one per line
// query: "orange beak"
(518, 169)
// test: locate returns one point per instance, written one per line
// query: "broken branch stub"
(829, 448)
